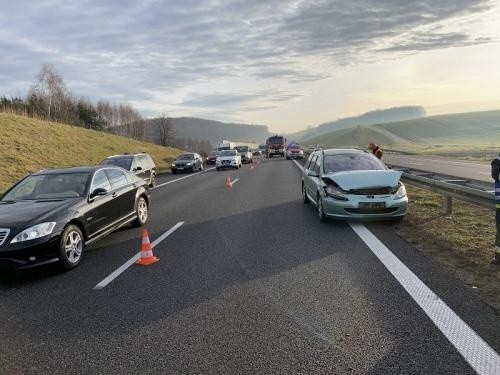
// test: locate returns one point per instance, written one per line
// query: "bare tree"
(105, 113)
(51, 91)
(165, 128)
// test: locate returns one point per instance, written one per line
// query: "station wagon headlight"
(335, 192)
(36, 231)
(400, 192)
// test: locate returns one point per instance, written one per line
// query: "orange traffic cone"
(147, 256)
(251, 166)
(229, 184)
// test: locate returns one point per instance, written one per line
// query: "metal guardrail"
(471, 191)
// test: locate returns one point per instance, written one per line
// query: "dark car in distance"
(190, 162)
(141, 164)
(53, 214)
(212, 157)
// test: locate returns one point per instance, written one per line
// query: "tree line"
(49, 99)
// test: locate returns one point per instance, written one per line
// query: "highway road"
(459, 168)
(249, 282)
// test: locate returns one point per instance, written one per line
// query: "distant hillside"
(368, 118)
(461, 129)
(28, 145)
(213, 131)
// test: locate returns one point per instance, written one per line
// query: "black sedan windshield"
(49, 186)
(186, 157)
(351, 162)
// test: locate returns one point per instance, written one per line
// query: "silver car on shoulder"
(349, 183)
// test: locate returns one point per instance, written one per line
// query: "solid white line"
(234, 181)
(298, 165)
(182, 178)
(480, 356)
(132, 260)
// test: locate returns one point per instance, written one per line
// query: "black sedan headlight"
(34, 232)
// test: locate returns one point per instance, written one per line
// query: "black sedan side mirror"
(98, 192)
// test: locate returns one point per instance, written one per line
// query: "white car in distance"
(228, 159)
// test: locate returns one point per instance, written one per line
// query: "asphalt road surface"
(251, 283)
(460, 168)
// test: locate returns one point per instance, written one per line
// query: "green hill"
(378, 116)
(28, 145)
(454, 134)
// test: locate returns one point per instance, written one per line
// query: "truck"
(276, 145)
(225, 145)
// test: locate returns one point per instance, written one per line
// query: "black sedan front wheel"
(141, 210)
(71, 247)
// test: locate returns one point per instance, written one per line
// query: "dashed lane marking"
(132, 260)
(182, 178)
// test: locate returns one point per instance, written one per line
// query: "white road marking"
(235, 181)
(298, 165)
(182, 178)
(480, 356)
(132, 260)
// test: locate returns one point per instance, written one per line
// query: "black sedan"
(52, 215)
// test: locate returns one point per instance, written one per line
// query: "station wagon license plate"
(371, 204)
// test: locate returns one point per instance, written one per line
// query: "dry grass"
(28, 145)
(463, 241)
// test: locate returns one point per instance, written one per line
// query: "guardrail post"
(448, 206)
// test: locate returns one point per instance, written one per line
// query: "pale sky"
(285, 64)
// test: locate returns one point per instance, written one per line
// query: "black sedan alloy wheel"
(71, 247)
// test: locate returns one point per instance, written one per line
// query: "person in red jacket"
(376, 150)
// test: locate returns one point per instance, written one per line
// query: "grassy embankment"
(464, 241)
(471, 135)
(28, 145)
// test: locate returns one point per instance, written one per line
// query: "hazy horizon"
(287, 65)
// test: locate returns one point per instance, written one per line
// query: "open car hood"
(365, 179)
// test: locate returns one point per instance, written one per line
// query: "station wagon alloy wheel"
(304, 194)
(321, 212)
